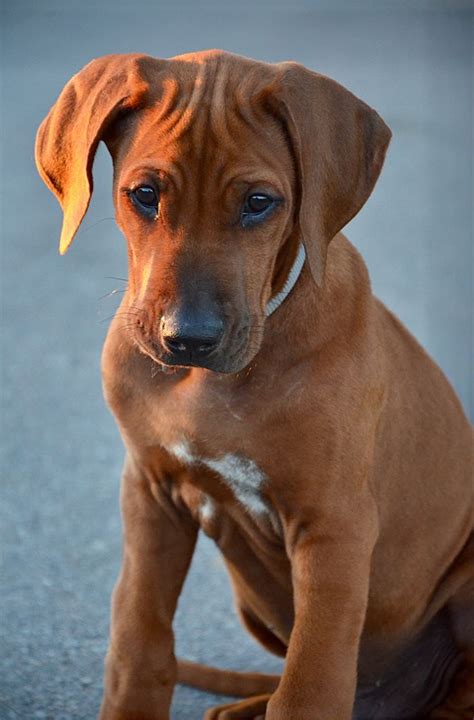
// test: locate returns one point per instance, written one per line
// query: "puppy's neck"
(311, 318)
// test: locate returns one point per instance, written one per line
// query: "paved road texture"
(61, 451)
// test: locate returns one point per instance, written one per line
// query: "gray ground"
(61, 452)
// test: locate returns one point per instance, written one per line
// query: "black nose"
(188, 339)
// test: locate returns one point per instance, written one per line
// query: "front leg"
(330, 568)
(159, 541)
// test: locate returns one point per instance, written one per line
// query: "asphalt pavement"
(61, 452)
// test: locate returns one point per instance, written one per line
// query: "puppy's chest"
(222, 458)
(224, 485)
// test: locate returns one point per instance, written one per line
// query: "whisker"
(85, 230)
(113, 277)
(123, 313)
(126, 313)
(112, 292)
(155, 369)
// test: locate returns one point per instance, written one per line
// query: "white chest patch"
(182, 451)
(240, 474)
(207, 508)
(243, 477)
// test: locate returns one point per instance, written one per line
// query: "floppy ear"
(68, 137)
(339, 143)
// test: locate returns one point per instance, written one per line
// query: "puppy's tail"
(225, 682)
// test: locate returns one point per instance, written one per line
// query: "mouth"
(224, 359)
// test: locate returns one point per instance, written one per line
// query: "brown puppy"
(295, 421)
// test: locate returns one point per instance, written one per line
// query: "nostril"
(181, 344)
(174, 343)
(205, 344)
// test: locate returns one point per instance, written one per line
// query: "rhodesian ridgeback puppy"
(265, 396)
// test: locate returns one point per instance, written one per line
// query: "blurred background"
(62, 454)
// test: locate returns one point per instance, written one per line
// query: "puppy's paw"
(252, 709)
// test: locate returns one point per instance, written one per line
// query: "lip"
(168, 364)
(225, 359)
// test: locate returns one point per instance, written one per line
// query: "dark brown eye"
(256, 209)
(257, 203)
(146, 198)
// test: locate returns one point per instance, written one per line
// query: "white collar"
(293, 276)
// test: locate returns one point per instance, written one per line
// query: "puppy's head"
(222, 166)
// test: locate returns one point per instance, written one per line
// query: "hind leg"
(252, 709)
(459, 703)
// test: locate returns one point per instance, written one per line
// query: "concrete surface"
(61, 452)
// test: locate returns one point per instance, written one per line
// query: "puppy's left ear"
(68, 137)
(339, 143)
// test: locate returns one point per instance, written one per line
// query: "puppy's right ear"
(339, 144)
(68, 137)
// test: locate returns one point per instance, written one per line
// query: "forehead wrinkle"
(218, 106)
(196, 101)
(164, 109)
(255, 159)
(173, 113)
(189, 109)
(261, 126)
(210, 137)
(206, 107)
(179, 174)
(223, 130)
(233, 104)
(250, 106)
